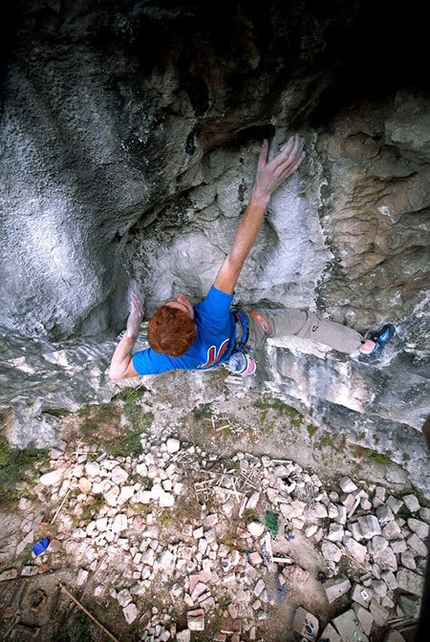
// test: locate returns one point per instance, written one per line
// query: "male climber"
(186, 337)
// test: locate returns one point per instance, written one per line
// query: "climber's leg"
(266, 322)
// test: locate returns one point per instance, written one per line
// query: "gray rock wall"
(129, 137)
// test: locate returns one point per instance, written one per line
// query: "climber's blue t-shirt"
(214, 343)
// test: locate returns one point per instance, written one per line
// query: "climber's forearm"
(121, 365)
(269, 176)
(244, 240)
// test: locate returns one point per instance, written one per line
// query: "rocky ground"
(203, 529)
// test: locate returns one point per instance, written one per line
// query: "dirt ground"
(40, 606)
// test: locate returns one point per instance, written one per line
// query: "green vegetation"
(166, 517)
(102, 424)
(92, 508)
(311, 430)
(78, 629)
(328, 440)
(4, 451)
(348, 567)
(362, 452)
(57, 412)
(296, 417)
(17, 466)
(129, 442)
(202, 412)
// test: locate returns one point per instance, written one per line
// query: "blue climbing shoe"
(380, 338)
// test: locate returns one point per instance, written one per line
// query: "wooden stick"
(63, 588)
(61, 506)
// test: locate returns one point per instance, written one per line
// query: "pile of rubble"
(215, 541)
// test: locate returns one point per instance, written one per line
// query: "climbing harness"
(240, 361)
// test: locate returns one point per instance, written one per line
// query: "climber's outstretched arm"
(269, 176)
(121, 366)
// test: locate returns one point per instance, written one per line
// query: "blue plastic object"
(40, 546)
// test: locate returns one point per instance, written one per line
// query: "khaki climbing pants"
(264, 323)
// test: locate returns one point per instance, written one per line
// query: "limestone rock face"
(129, 139)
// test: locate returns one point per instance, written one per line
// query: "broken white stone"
(408, 560)
(85, 486)
(364, 617)
(390, 580)
(335, 533)
(120, 523)
(341, 514)
(92, 469)
(130, 613)
(167, 561)
(410, 605)
(347, 485)
(425, 514)
(101, 523)
(256, 529)
(81, 577)
(384, 514)
(100, 488)
(119, 475)
(369, 526)
(252, 501)
(142, 469)
(330, 551)
(379, 613)
(362, 595)
(349, 627)
(394, 503)
(196, 620)
(331, 634)
(356, 550)
(417, 545)
(142, 496)
(365, 504)
(391, 530)
(379, 589)
(377, 544)
(124, 597)
(179, 488)
(410, 581)
(411, 503)
(148, 557)
(311, 530)
(167, 484)
(125, 494)
(52, 478)
(320, 511)
(294, 509)
(349, 503)
(419, 528)
(386, 559)
(332, 510)
(335, 588)
(259, 588)
(398, 545)
(173, 445)
(198, 590)
(379, 496)
(111, 496)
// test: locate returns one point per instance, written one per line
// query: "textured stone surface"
(129, 139)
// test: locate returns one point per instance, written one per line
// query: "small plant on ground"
(17, 466)
(92, 508)
(311, 430)
(202, 412)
